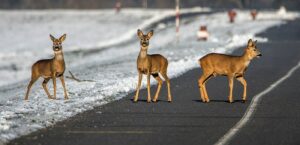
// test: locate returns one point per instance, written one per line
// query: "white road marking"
(110, 132)
(252, 108)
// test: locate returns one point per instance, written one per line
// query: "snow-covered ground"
(112, 70)
(25, 34)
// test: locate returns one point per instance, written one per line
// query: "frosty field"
(102, 47)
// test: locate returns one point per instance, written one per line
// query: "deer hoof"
(243, 101)
(169, 99)
(154, 101)
(148, 101)
(52, 97)
(205, 100)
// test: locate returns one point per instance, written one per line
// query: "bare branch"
(76, 79)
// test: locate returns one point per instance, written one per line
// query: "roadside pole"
(145, 4)
(118, 6)
(177, 20)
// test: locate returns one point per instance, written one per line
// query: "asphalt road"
(188, 121)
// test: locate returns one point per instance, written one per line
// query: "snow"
(23, 30)
(112, 68)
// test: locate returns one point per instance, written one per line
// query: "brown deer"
(50, 69)
(214, 64)
(151, 65)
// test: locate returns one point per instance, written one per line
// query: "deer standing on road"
(50, 69)
(154, 65)
(214, 64)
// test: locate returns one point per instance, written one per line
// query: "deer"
(215, 64)
(154, 65)
(50, 69)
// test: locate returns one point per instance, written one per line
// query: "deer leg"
(33, 79)
(200, 83)
(202, 87)
(138, 87)
(64, 86)
(244, 83)
(54, 86)
(44, 84)
(165, 76)
(230, 99)
(160, 82)
(202, 94)
(148, 87)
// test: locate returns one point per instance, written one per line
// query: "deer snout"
(259, 55)
(56, 48)
(144, 43)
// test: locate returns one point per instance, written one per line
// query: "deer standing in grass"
(50, 69)
(151, 65)
(214, 64)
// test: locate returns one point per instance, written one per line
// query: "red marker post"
(118, 6)
(177, 21)
(232, 14)
(202, 33)
(253, 14)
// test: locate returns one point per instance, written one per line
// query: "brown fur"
(154, 65)
(215, 64)
(50, 69)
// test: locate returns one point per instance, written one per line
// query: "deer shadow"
(145, 101)
(221, 101)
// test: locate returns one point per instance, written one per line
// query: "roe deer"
(50, 69)
(214, 64)
(151, 65)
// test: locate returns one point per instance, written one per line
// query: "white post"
(145, 4)
(177, 20)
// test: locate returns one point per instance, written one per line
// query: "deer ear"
(52, 38)
(140, 33)
(150, 34)
(63, 38)
(250, 42)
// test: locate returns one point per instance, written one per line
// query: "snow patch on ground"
(23, 31)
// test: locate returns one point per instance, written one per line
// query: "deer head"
(144, 39)
(252, 50)
(57, 43)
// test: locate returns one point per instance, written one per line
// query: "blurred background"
(102, 46)
(96, 4)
